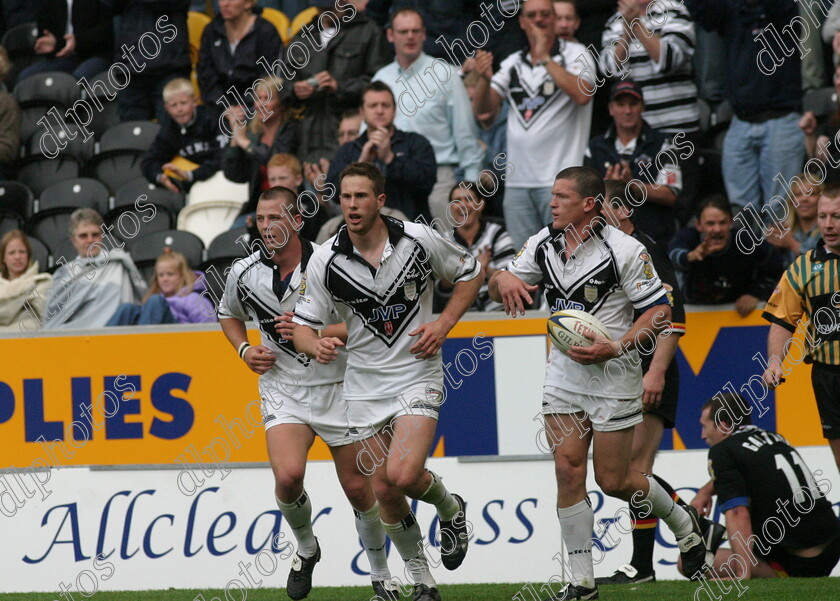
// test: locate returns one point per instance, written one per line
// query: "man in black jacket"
(77, 38)
(632, 151)
(189, 131)
(153, 46)
(407, 159)
(341, 62)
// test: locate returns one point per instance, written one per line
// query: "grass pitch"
(787, 589)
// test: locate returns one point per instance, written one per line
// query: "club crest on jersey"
(410, 290)
(590, 293)
(389, 328)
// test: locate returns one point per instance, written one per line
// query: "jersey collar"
(343, 245)
(821, 254)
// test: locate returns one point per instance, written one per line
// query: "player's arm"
(259, 359)
(641, 335)
(314, 345)
(653, 381)
(739, 531)
(433, 334)
(777, 341)
(702, 501)
(508, 289)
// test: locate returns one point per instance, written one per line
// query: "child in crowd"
(190, 144)
(175, 296)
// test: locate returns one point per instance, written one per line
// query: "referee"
(809, 291)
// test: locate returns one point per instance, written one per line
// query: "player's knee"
(288, 483)
(569, 474)
(357, 491)
(387, 493)
(612, 485)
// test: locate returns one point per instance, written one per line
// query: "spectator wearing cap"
(652, 43)
(643, 157)
(445, 119)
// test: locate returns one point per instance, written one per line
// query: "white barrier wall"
(154, 537)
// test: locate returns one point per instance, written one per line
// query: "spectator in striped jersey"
(486, 240)
(653, 44)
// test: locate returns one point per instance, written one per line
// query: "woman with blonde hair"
(273, 130)
(175, 296)
(22, 286)
(800, 226)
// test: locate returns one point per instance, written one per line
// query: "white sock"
(298, 514)
(372, 535)
(409, 542)
(437, 495)
(576, 524)
(664, 507)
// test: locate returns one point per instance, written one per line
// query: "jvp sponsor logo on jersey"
(562, 304)
(387, 313)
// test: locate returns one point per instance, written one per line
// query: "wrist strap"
(242, 348)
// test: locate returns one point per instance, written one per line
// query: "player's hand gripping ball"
(573, 328)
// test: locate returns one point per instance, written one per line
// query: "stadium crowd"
(711, 122)
(663, 95)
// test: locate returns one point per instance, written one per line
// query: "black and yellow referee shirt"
(809, 292)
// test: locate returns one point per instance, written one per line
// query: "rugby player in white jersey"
(300, 398)
(593, 395)
(376, 275)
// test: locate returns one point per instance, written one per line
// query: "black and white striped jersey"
(495, 237)
(381, 306)
(255, 290)
(667, 84)
(609, 275)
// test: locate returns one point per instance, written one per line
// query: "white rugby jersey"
(609, 275)
(381, 305)
(546, 130)
(254, 290)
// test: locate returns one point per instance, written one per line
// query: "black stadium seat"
(73, 144)
(64, 250)
(17, 198)
(131, 225)
(40, 172)
(225, 245)
(40, 253)
(115, 168)
(51, 87)
(149, 247)
(19, 42)
(9, 222)
(128, 193)
(51, 226)
(79, 192)
(130, 135)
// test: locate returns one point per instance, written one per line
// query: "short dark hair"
(572, 2)
(728, 408)
(471, 186)
(368, 170)
(587, 181)
(715, 201)
(616, 190)
(377, 86)
(282, 193)
(403, 11)
(831, 190)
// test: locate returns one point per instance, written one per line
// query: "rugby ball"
(569, 328)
